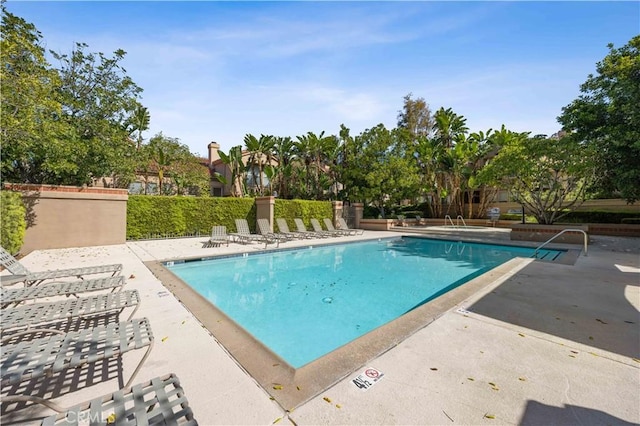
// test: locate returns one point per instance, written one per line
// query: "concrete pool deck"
(544, 343)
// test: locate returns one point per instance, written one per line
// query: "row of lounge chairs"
(266, 235)
(45, 339)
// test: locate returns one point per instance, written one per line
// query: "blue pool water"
(304, 303)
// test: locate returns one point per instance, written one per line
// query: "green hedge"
(13, 222)
(160, 216)
(304, 209)
(599, 217)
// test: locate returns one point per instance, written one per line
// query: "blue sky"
(215, 71)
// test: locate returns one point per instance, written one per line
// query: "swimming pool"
(305, 303)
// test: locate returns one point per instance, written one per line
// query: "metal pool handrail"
(450, 220)
(462, 219)
(586, 238)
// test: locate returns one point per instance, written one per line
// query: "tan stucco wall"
(66, 216)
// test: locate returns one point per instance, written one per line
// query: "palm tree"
(284, 155)
(234, 161)
(139, 122)
(260, 154)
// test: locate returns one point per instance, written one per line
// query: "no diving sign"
(368, 378)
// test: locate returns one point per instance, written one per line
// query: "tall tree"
(179, 171)
(233, 160)
(97, 100)
(415, 117)
(260, 155)
(389, 177)
(33, 147)
(607, 116)
(549, 177)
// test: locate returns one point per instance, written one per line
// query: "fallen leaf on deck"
(277, 387)
(276, 420)
(327, 399)
(131, 276)
(165, 338)
(489, 416)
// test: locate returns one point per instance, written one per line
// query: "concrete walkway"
(544, 344)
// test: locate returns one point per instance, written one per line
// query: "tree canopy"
(606, 116)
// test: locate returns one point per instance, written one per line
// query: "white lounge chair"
(265, 230)
(345, 227)
(303, 229)
(161, 401)
(329, 225)
(33, 278)
(17, 295)
(283, 227)
(318, 228)
(41, 356)
(243, 235)
(32, 315)
(219, 236)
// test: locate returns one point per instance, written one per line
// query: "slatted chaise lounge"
(32, 359)
(219, 236)
(159, 401)
(301, 228)
(318, 228)
(283, 227)
(33, 278)
(31, 315)
(243, 234)
(345, 227)
(17, 295)
(265, 229)
(331, 228)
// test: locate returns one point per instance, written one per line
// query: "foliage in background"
(595, 216)
(13, 222)
(606, 116)
(33, 145)
(173, 216)
(79, 123)
(304, 209)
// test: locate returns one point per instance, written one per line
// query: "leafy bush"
(167, 216)
(304, 209)
(598, 217)
(631, 221)
(13, 223)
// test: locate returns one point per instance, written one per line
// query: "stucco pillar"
(264, 209)
(359, 208)
(337, 211)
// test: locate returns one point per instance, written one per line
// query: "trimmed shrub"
(13, 223)
(597, 217)
(171, 216)
(304, 209)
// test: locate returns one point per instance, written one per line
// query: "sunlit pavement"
(545, 344)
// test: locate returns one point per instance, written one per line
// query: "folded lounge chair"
(159, 401)
(331, 228)
(283, 227)
(345, 227)
(31, 315)
(219, 236)
(17, 295)
(32, 278)
(303, 229)
(318, 228)
(32, 359)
